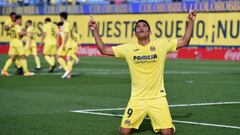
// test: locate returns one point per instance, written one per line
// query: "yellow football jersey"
(76, 38)
(14, 33)
(146, 65)
(9, 23)
(51, 33)
(31, 35)
(67, 28)
(32, 32)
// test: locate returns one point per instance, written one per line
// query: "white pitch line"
(101, 114)
(204, 104)
(116, 71)
(175, 121)
(206, 124)
(93, 110)
(171, 106)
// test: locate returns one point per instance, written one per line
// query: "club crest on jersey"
(152, 48)
(127, 122)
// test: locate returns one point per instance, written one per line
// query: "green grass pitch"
(41, 104)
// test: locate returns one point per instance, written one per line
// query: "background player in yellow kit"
(31, 45)
(8, 25)
(76, 43)
(16, 47)
(66, 49)
(49, 38)
(72, 57)
(146, 60)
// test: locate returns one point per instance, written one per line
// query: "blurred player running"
(17, 47)
(72, 58)
(60, 28)
(9, 24)
(66, 47)
(146, 60)
(49, 38)
(31, 45)
(76, 43)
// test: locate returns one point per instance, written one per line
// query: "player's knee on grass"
(168, 131)
(125, 131)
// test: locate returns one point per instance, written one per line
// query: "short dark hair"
(48, 20)
(144, 22)
(12, 13)
(60, 24)
(64, 15)
(18, 17)
(29, 21)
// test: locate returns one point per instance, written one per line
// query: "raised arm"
(184, 41)
(102, 48)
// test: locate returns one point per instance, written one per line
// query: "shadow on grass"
(146, 124)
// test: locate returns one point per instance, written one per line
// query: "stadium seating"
(70, 2)
(73, 2)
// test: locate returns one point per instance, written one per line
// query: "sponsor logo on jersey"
(145, 58)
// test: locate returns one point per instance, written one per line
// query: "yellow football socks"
(53, 60)
(70, 64)
(74, 56)
(18, 63)
(49, 60)
(24, 65)
(7, 64)
(63, 64)
(37, 61)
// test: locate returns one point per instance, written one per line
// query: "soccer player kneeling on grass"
(146, 60)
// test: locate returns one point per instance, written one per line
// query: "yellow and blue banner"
(210, 29)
